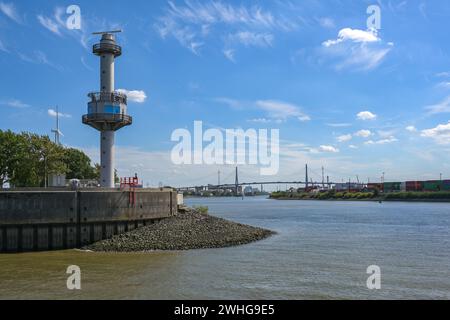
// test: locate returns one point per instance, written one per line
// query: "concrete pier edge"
(32, 220)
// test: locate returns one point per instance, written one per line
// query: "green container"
(433, 185)
(392, 186)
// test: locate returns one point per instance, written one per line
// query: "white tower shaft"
(107, 159)
(107, 137)
(107, 72)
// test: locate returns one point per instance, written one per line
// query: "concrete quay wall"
(55, 220)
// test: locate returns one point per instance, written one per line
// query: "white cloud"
(330, 149)
(352, 146)
(411, 129)
(442, 107)
(49, 24)
(344, 138)
(53, 113)
(363, 133)
(353, 35)
(357, 49)
(366, 115)
(10, 11)
(440, 134)
(14, 103)
(382, 141)
(282, 110)
(137, 96)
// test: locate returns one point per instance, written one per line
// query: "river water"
(322, 251)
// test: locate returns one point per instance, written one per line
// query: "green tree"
(12, 150)
(27, 159)
(42, 157)
(78, 165)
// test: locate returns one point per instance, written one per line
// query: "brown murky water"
(322, 251)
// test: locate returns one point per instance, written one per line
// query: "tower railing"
(103, 47)
(108, 97)
(107, 117)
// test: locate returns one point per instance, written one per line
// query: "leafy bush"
(201, 209)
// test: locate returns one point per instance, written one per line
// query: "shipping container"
(375, 186)
(433, 185)
(352, 187)
(446, 185)
(403, 186)
(414, 186)
(391, 186)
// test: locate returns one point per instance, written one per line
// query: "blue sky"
(356, 101)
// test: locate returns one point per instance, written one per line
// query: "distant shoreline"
(366, 200)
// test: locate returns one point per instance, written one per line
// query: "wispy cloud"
(382, 141)
(15, 103)
(282, 110)
(339, 125)
(191, 22)
(38, 57)
(53, 113)
(263, 120)
(444, 74)
(3, 47)
(326, 22)
(254, 39)
(344, 138)
(137, 96)
(83, 62)
(56, 24)
(11, 12)
(229, 54)
(275, 110)
(50, 24)
(443, 85)
(442, 107)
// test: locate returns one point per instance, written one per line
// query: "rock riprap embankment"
(189, 229)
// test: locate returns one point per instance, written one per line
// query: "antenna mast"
(56, 131)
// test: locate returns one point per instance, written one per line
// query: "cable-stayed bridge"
(306, 183)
